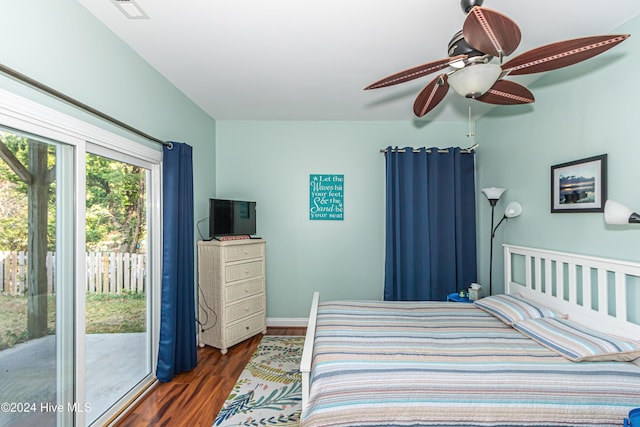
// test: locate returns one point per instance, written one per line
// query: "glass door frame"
(27, 116)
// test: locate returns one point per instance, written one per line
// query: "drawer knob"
(246, 290)
(247, 328)
(246, 309)
(246, 252)
(247, 271)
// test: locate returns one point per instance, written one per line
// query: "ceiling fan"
(485, 35)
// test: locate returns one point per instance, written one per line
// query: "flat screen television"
(231, 218)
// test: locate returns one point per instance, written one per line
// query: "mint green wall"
(580, 111)
(61, 44)
(270, 162)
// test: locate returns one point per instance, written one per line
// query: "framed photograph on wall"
(580, 185)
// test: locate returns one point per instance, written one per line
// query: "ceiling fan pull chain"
(472, 128)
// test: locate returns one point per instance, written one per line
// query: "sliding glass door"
(117, 299)
(36, 305)
(79, 268)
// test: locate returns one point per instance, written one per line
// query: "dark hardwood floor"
(195, 398)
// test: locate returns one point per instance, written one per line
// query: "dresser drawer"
(243, 271)
(245, 328)
(245, 308)
(243, 289)
(240, 252)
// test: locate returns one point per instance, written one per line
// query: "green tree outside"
(115, 222)
(116, 215)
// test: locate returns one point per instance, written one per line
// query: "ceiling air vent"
(130, 9)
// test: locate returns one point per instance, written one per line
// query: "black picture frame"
(579, 186)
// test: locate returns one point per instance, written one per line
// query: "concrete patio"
(115, 363)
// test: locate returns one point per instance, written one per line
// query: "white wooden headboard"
(601, 293)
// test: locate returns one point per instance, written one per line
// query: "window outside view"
(34, 318)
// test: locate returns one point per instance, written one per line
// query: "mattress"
(452, 364)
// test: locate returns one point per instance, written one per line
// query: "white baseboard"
(287, 322)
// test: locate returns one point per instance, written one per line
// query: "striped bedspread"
(452, 364)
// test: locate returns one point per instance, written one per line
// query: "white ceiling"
(310, 59)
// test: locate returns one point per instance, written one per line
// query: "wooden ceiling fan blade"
(491, 32)
(431, 95)
(561, 54)
(415, 72)
(506, 92)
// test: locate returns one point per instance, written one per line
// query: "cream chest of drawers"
(232, 303)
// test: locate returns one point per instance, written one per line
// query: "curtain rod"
(440, 150)
(57, 94)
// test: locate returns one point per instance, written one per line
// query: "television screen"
(231, 217)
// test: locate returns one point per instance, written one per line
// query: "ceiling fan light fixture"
(474, 80)
(487, 34)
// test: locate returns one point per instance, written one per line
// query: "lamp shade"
(493, 193)
(475, 79)
(617, 213)
(513, 210)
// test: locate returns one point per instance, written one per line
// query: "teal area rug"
(269, 390)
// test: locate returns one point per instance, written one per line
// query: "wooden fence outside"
(107, 272)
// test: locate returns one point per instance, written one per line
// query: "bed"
(543, 355)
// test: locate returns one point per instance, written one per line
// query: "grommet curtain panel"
(178, 346)
(430, 248)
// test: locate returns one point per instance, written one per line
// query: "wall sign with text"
(326, 197)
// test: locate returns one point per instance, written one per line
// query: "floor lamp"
(512, 210)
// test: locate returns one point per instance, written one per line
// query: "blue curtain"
(430, 224)
(178, 347)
